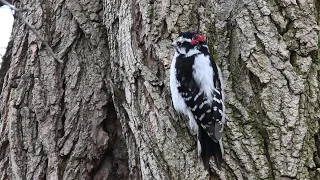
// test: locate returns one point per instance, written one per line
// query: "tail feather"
(209, 148)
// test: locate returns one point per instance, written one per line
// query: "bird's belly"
(177, 100)
(178, 103)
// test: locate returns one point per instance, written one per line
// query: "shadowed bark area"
(9, 1)
(106, 113)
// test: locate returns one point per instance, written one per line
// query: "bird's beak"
(173, 44)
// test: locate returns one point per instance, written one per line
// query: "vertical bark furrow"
(290, 79)
(260, 46)
(53, 151)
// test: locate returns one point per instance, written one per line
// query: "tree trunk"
(105, 113)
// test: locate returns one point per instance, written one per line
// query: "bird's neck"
(192, 52)
(203, 49)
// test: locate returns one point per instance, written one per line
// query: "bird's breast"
(203, 75)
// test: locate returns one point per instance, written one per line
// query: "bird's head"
(189, 44)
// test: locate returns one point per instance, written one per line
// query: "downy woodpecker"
(197, 91)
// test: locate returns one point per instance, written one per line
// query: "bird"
(197, 91)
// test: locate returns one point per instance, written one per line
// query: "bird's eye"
(179, 44)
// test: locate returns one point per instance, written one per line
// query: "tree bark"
(105, 113)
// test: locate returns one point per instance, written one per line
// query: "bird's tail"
(209, 148)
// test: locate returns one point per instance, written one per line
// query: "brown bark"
(106, 113)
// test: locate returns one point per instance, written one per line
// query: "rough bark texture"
(105, 113)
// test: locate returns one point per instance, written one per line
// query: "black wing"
(208, 114)
(205, 112)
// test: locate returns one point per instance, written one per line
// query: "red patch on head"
(194, 42)
(199, 38)
(196, 39)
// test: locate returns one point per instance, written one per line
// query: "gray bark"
(106, 113)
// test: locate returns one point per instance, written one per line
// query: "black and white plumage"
(197, 91)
